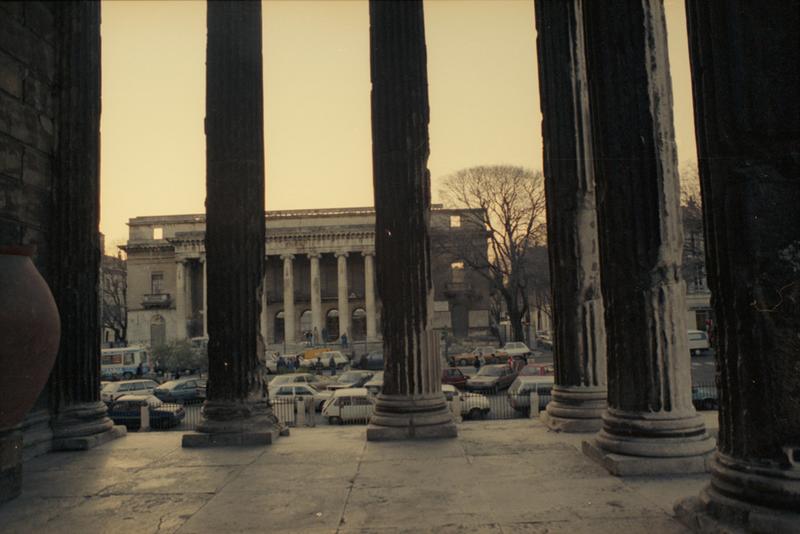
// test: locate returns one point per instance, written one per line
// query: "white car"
(349, 404)
(473, 405)
(114, 390)
(698, 342)
(317, 381)
(304, 391)
(375, 384)
(325, 358)
(519, 394)
(515, 348)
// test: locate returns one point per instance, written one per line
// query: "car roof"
(448, 387)
(536, 378)
(495, 365)
(133, 396)
(351, 392)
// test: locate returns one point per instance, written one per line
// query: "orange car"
(487, 355)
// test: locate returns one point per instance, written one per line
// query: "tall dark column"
(650, 425)
(579, 351)
(237, 409)
(746, 84)
(81, 420)
(412, 404)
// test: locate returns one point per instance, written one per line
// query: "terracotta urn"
(30, 330)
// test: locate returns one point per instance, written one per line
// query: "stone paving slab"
(503, 476)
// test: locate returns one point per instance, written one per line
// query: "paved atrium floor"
(498, 476)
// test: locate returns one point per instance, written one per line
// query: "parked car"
(127, 410)
(340, 359)
(454, 377)
(114, 390)
(271, 363)
(304, 391)
(705, 397)
(484, 354)
(349, 404)
(319, 382)
(372, 361)
(473, 405)
(698, 342)
(514, 349)
(375, 384)
(190, 389)
(491, 378)
(351, 379)
(519, 394)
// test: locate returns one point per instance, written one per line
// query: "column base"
(634, 443)
(235, 424)
(744, 497)
(81, 427)
(403, 417)
(575, 409)
(10, 465)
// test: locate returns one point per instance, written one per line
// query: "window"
(455, 221)
(285, 391)
(128, 359)
(301, 391)
(158, 233)
(156, 283)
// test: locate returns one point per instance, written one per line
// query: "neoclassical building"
(319, 277)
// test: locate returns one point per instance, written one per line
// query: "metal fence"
(472, 407)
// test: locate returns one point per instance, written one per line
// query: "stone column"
(80, 421)
(180, 299)
(369, 295)
(316, 297)
(205, 296)
(412, 404)
(650, 425)
(237, 409)
(288, 298)
(342, 292)
(744, 60)
(264, 316)
(579, 348)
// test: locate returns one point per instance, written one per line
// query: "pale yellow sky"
(483, 87)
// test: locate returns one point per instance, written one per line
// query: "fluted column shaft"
(579, 349)
(412, 403)
(316, 297)
(180, 300)
(75, 239)
(650, 411)
(744, 59)
(234, 240)
(264, 316)
(343, 293)
(369, 295)
(205, 296)
(288, 298)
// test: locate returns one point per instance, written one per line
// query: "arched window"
(158, 331)
(278, 329)
(358, 327)
(332, 325)
(305, 323)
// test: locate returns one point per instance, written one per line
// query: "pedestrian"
(315, 336)
(344, 340)
(477, 363)
(139, 370)
(281, 363)
(318, 366)
(332, 365)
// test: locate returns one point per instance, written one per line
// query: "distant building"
(319, 277)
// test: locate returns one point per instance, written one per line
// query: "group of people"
(515, 364)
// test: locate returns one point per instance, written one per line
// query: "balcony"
(156, 300)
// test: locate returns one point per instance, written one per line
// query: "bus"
(123, 362)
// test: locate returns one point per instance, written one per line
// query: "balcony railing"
(156, 300)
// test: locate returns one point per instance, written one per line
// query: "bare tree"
(694, 262)
(114, 285)
(509, 203)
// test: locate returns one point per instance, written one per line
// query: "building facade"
(319, 281)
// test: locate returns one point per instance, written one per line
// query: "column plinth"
(650, 426)
(237, 409)
(579, 348)
(412, 404)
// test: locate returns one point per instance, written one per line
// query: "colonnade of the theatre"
(184, 304)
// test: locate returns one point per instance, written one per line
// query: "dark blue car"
(127, 410)
(184, 390)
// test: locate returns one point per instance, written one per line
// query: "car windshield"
(531, 370)
(109, 387)
(490, 371)
(350, 376)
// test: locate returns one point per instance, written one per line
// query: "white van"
(124, 362)
(349, 405)
(698, 342)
